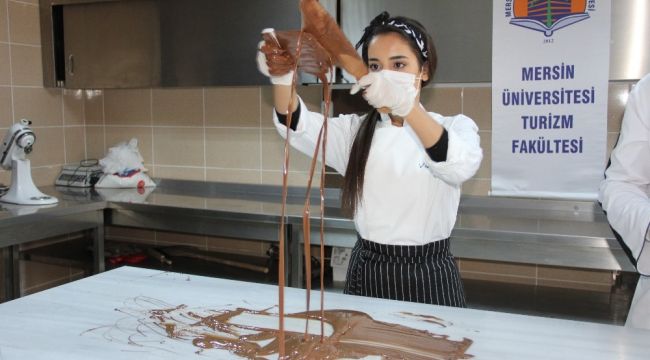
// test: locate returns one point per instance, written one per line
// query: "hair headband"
(383, 19)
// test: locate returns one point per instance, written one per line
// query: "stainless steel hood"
(181, 43)
(157, 43)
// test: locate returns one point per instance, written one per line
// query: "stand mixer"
(16, 145)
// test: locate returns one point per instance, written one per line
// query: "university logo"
(548, 16)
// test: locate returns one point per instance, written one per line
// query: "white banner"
(550, 69)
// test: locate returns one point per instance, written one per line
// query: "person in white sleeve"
(403, 169)
(624, 195)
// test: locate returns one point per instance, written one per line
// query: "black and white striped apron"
(425, 274)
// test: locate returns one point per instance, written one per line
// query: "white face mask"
(403, 78)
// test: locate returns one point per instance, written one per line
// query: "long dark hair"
(354, 174)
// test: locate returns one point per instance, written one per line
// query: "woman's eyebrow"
(396, 57)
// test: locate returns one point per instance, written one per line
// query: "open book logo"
(548, 16)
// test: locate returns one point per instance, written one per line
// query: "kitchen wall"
(212, 134)
(57, 115)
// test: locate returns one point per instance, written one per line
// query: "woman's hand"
(275, 62)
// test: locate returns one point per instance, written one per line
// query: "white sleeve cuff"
(464, 153)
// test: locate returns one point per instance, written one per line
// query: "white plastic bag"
(125, 195)
(136, 179)
(122, 158)
(123, 167)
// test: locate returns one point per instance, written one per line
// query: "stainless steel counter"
(22, 224)
(549, 232)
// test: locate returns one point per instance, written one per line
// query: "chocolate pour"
(313, 59)
(317, 47)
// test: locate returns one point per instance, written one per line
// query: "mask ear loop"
(419, 79)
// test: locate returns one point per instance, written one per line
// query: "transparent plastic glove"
(274, 63)
(388, 89)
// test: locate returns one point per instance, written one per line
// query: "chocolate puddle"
(355, 335)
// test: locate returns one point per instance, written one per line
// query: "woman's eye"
(373, 67)
(399, 65)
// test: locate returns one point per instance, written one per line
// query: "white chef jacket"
(625, 194)
(408, 199)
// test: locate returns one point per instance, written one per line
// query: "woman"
(402, 169)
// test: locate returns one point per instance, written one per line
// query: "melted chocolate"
(319, 23)
(315, 49)
(355, 335)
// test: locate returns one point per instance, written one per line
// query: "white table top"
(79, 321)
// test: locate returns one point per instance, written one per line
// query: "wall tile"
(5, 177)
(179, 172)
(42, 106)
(95, 148)
(616, 101)
(180, 107)
(234, 175)
(498, 278)
(94, 107)
(232, 106)
(3, 21)
(479, 187)
(24, 24)
(295, 178)
(5, 68)
(311, 95)
(179, 146)
(127, 107)
(2, 265)
(45, 176)
(612, 138)
(26, 64)
(442, 100)
(495, 267)
(75, 145)
(49, 147)
(233, 148)
(477, 104)
(485, 170)
(73, 107)
(5, 107)
(118, 134)
(273, 153)
(266, 112)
